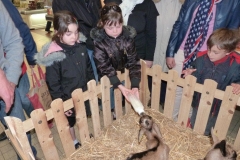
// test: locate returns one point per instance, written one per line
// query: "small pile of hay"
(121, 138)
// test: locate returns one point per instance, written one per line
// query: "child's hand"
(124, 91)
(135, 92)
(236, 88)
(188, 71)
(69, 113)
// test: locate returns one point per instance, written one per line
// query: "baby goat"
(220, 150)
(156, 149)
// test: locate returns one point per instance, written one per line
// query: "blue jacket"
(227, 16)
(224, 74)
(28, 42)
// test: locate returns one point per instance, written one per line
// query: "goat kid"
(220, 150)
(156, 149)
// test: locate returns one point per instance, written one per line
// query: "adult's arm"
(235, 20)
(30, 47)
(11, 45)
(175, 30)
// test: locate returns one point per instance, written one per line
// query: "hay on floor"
(121, 138)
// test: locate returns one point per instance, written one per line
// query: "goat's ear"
(222, 147)
(157, 130)
(140, 134)
(214, 137)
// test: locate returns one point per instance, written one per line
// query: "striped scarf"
(198, 31)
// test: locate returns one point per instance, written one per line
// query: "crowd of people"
(92, 40)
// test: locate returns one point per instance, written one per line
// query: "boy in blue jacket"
(220, 64)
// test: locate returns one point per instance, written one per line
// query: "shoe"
(114, 115)
(3, 136)
(91, 135)
(149, 103)
(77, 145)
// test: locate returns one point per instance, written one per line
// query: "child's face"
(113, 30)
(70, 37)
(216, 54)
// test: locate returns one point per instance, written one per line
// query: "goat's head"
(220, 150)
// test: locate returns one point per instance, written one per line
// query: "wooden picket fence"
(38, 121)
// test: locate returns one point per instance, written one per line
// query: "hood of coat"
(99, 34)
(51, 52)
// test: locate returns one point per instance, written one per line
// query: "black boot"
(3, 136)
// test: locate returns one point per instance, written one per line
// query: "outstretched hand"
(135, 92)
(188, 71)
(124, 91)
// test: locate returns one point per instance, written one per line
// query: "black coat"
(115, 54)
(66, 70)
(87, 15)
(144, 19)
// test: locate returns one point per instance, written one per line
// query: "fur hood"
(51, 52)
(99, 34)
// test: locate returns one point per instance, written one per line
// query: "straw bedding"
(121, 138)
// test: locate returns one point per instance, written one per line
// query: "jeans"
(179, 58)
(90, 54)
(211, 121)
(112, 99)
(16, 111)
(23, 88)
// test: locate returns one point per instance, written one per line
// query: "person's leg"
(16, 111)
(211, 123)
(72, 120)
(23, 88)
(112, 99)
(163, 92)
(90, 54)
(179, 58)
(193, 116)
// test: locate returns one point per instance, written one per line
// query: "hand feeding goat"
(220, 150)
(156, 149)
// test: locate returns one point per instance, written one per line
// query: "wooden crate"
(39, 118)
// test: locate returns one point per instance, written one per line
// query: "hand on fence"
(149, 63)
(188, 71)
(69, 112)
(236, 88)
(170, 61)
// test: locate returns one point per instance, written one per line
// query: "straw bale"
(120, 139)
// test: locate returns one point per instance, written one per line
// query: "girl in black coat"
(67, 63)
(115, 49)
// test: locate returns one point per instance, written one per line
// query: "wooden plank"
(18, 137)
(118, 100)
(205, 105)
(81, 117)
(156, 87)
(93, 99)
(237, 141)
(106, 102)
(143, 83)
(172, 80)
(226, 112)
(44, 134)
(62, 126)
(128, 107)
(186, 100)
